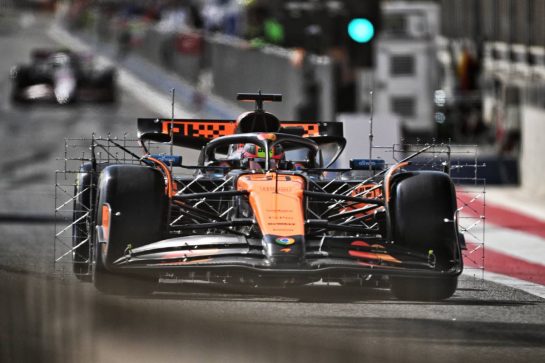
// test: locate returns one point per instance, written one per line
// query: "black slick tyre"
(422, 212)
(20, 80)
(135, 196)
(423, 289)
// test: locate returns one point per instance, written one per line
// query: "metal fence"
(510, 21)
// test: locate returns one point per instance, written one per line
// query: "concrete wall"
(236, 68)
(386, 133)
(532, 161)
(233, 64)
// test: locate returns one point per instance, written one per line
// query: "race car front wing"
(322, 257)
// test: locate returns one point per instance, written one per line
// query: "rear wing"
(195, 133)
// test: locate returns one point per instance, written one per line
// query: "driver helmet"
(254, 156)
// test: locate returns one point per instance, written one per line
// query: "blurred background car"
(62, 76)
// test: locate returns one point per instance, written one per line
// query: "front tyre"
(422, 211)
(135, 196)
(423, 289)
(83, 204)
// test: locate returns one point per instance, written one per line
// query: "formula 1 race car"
(263, 207)
(62, 76)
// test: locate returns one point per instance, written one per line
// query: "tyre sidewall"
(138, 216)
(85, 181)
(138, 206)
(422, 211)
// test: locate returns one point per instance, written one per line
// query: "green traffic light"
(361, 30)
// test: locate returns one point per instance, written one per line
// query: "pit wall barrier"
(225, 65)
(533, 150)
(237, 67)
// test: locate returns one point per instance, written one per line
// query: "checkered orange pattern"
(311, 129)
(213, 129)
(205, 129)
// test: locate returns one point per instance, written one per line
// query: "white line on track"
(518, 244)
(515, 243)
(516, 200)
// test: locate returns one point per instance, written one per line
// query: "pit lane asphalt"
(46, 317)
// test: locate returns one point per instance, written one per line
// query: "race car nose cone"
(284, 251)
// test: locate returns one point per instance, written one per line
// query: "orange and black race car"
(263, 207)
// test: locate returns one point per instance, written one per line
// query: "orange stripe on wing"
(205, 129)
(311, 129)
(371, 255)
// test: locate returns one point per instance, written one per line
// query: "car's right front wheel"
(422, 211)
(131, 212)
(423, 289)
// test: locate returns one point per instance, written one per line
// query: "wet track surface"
(51, 317)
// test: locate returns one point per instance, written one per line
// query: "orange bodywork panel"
(383, 256)
(363, 191)
(106, 221)
(277, 213)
